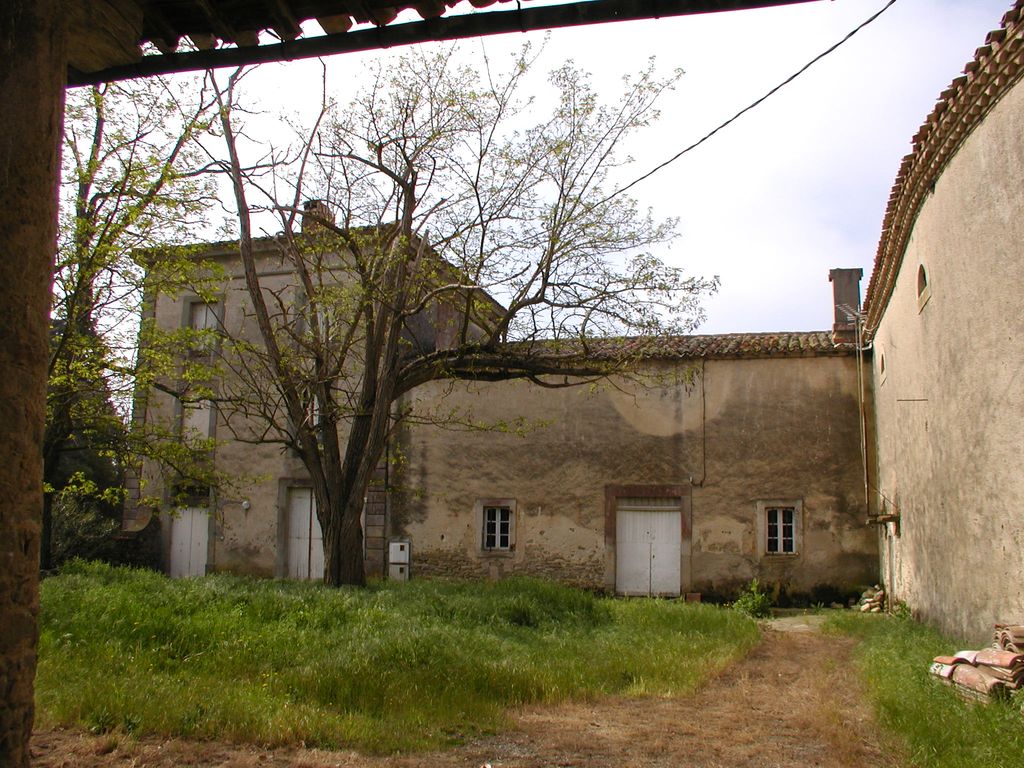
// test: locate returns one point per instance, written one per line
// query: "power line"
(751, 106)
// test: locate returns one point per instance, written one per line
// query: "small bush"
(753, 602)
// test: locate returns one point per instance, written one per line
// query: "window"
(497, 528)
(496, 533)
(924, 290)
(779, 527)
(196, 418)
(202, 316)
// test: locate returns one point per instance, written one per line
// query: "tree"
(443, 196)
(130, 181)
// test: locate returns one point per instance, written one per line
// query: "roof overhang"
(107, 37)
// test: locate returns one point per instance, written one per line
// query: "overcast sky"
(795, 187)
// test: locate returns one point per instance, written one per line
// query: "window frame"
(480, 510)
(923, 286)
(765, 508)
(216, 311)
(497, 522)
(203, 406)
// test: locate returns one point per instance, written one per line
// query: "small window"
(196, 418)
(924, 290)
(496, 526)
(497, 529)
(202, 316)
(779, 527)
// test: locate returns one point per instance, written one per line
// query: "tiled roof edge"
(997, 66)
(707, 346)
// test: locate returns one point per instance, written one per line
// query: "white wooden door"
(648, 537)
(190, 538)
(305, 540)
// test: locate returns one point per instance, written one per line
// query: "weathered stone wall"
(731, 431)
(247, 520)
(727, 433)
(783, 430)
(950, 401)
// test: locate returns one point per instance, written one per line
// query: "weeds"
(939, 729)
(393, 667)
(753, 602)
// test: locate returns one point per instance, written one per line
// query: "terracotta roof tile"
(997, 66)
(717, 346)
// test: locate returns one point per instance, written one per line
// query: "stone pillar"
(32, 76)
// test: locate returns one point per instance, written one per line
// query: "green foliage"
(84, 526)
(939, 729)
(753, 602)
(130, 186)
(392, 667)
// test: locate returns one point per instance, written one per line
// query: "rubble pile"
(989, 673)
(873, 600)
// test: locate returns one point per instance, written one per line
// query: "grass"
(395, 667)
(939, 729)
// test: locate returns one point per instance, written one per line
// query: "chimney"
(846, 303)
(314, 213)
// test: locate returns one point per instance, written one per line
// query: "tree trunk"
(32, 71)
(343, 544)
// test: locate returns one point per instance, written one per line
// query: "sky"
(795, 187)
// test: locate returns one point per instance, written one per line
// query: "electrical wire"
(754, 104)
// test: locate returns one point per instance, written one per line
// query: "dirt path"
(792, 703)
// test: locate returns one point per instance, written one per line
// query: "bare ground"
(793, 702)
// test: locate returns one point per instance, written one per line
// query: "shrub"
(753, 602)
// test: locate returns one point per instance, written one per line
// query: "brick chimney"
(846, 303)
(314, 212)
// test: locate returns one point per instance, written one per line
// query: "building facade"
(945, 316)
(738, 457)
(814, 462)
(722, 459)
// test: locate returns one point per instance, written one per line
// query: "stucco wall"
(242, 539)
(950, 403)
(723, 434)
(732, 432)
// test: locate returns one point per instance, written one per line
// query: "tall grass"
(393, 667)
(939, 729)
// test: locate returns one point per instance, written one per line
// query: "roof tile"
(995, 68)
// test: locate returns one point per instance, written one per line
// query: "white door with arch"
(305, 547)
(648, 539)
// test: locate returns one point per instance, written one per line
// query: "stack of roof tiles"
(1008, 637)
(986, 674)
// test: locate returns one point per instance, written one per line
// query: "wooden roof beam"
(444, 28)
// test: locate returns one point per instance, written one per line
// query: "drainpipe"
(703, 426)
